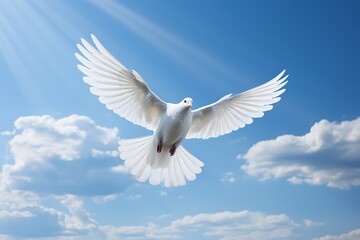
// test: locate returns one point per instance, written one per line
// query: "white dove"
(160, 157)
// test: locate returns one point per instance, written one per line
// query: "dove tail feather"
(145, 163)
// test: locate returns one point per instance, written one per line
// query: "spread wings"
(121, 90)
(233, 112)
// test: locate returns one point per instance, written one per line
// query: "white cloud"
(71, 155)
(58, 161)
(7, 133)
(4, 237)
(163, 194)
(327, 155)
(69, 138)
(97, 153)
(120, 168)
(228, 177)
(16, 204)
(134, 197)
(224, 225)
(79, 218)
(23, 216)
(149, 231)
(26, 217)
(104, 199)
(352, 235)
(311, 223)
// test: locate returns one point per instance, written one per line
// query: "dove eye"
(184, 101)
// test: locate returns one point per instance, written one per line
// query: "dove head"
(187, 102)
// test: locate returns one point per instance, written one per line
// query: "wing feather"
(232, 112)
(122, 91)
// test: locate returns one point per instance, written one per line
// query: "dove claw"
(159, 147)
(172, 150)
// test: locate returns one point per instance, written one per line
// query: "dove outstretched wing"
(122, 91)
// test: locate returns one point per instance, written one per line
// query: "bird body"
(175, 124)
(160, 157)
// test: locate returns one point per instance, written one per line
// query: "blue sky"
(293, 174)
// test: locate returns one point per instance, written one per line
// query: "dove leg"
(172, 150)
(159, 147)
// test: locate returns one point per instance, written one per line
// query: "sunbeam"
(173, 46)
(27, 34)
(14, 49)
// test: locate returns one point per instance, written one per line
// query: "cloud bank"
(352, 235)
(328, 155)
(222, 225)
(71, 155)
(23, 215)
(58, 161)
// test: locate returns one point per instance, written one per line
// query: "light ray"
(30, 47)
(12, 47)
(193, 59)
(57, 19)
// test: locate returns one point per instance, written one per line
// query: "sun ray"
(27, 34)
(192, 58)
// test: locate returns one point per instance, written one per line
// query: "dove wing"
(122, 91)
(233, 112)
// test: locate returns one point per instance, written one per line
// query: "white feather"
(233, 112)
(140, 158)
(120, 90)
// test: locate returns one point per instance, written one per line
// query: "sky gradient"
(293, 174)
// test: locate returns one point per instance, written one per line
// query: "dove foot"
(159, 147)
(172, 150)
